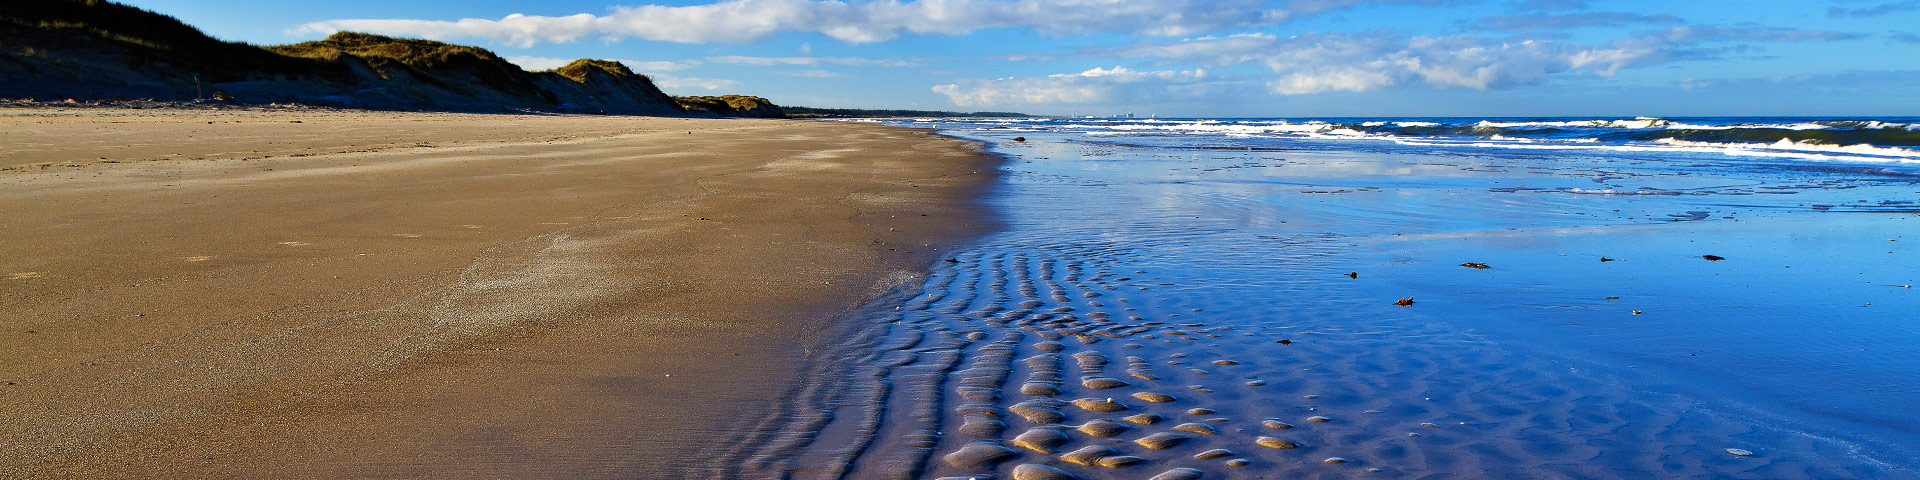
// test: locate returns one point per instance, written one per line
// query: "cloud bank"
(744, 21)
(1097, 85)
(1368, 61)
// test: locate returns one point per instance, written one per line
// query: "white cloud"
(534, 64)
(1095, 86)
(670, 82)
(1358, 62)
(856, 21)
(809, 61)
(813, 74)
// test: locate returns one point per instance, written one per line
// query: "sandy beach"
(327, 294)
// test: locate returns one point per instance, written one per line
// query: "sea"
(1395, 298)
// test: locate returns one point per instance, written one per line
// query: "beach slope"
(326, 294)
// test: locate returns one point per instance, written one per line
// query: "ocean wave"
(1639, 123)
(1786, 144)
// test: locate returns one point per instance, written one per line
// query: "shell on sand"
(1199, 428)
(1042, 439)
(1271, 442)
(1238, 462)
(1089, 455)
(1033, 471)
(1162, 440)
(1154, 397)
(1179, 474)
(1099, 406)
(1213, 454)
(979, 456)
(1102, 428)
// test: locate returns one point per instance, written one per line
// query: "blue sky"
(1186, 57)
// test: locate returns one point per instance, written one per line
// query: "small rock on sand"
(1179, 474)
(1162, 440)
(1033, 471)
(1271, 442)
(979, 456)
(1089, 455)
(1238, 462)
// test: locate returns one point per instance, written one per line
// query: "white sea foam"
(1635, 124)
(1793, 146)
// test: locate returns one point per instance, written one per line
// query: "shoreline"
(401, 294)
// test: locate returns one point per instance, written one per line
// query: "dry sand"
(320, 294)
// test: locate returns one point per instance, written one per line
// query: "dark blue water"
(1659, 295)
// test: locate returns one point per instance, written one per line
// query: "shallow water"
(1214, 267)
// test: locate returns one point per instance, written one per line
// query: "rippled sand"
(1233, 315)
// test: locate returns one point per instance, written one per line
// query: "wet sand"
(1175, 307)
(318, 294)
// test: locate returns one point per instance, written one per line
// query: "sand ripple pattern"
(966, 378)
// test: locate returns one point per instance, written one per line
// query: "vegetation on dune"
(408, 51)
(143, 37)
(422, 58)
(731, 105)
(578, 70)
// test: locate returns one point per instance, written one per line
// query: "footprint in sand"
(294, 244)
(407, 235)
(24, 275)
(197, 258)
